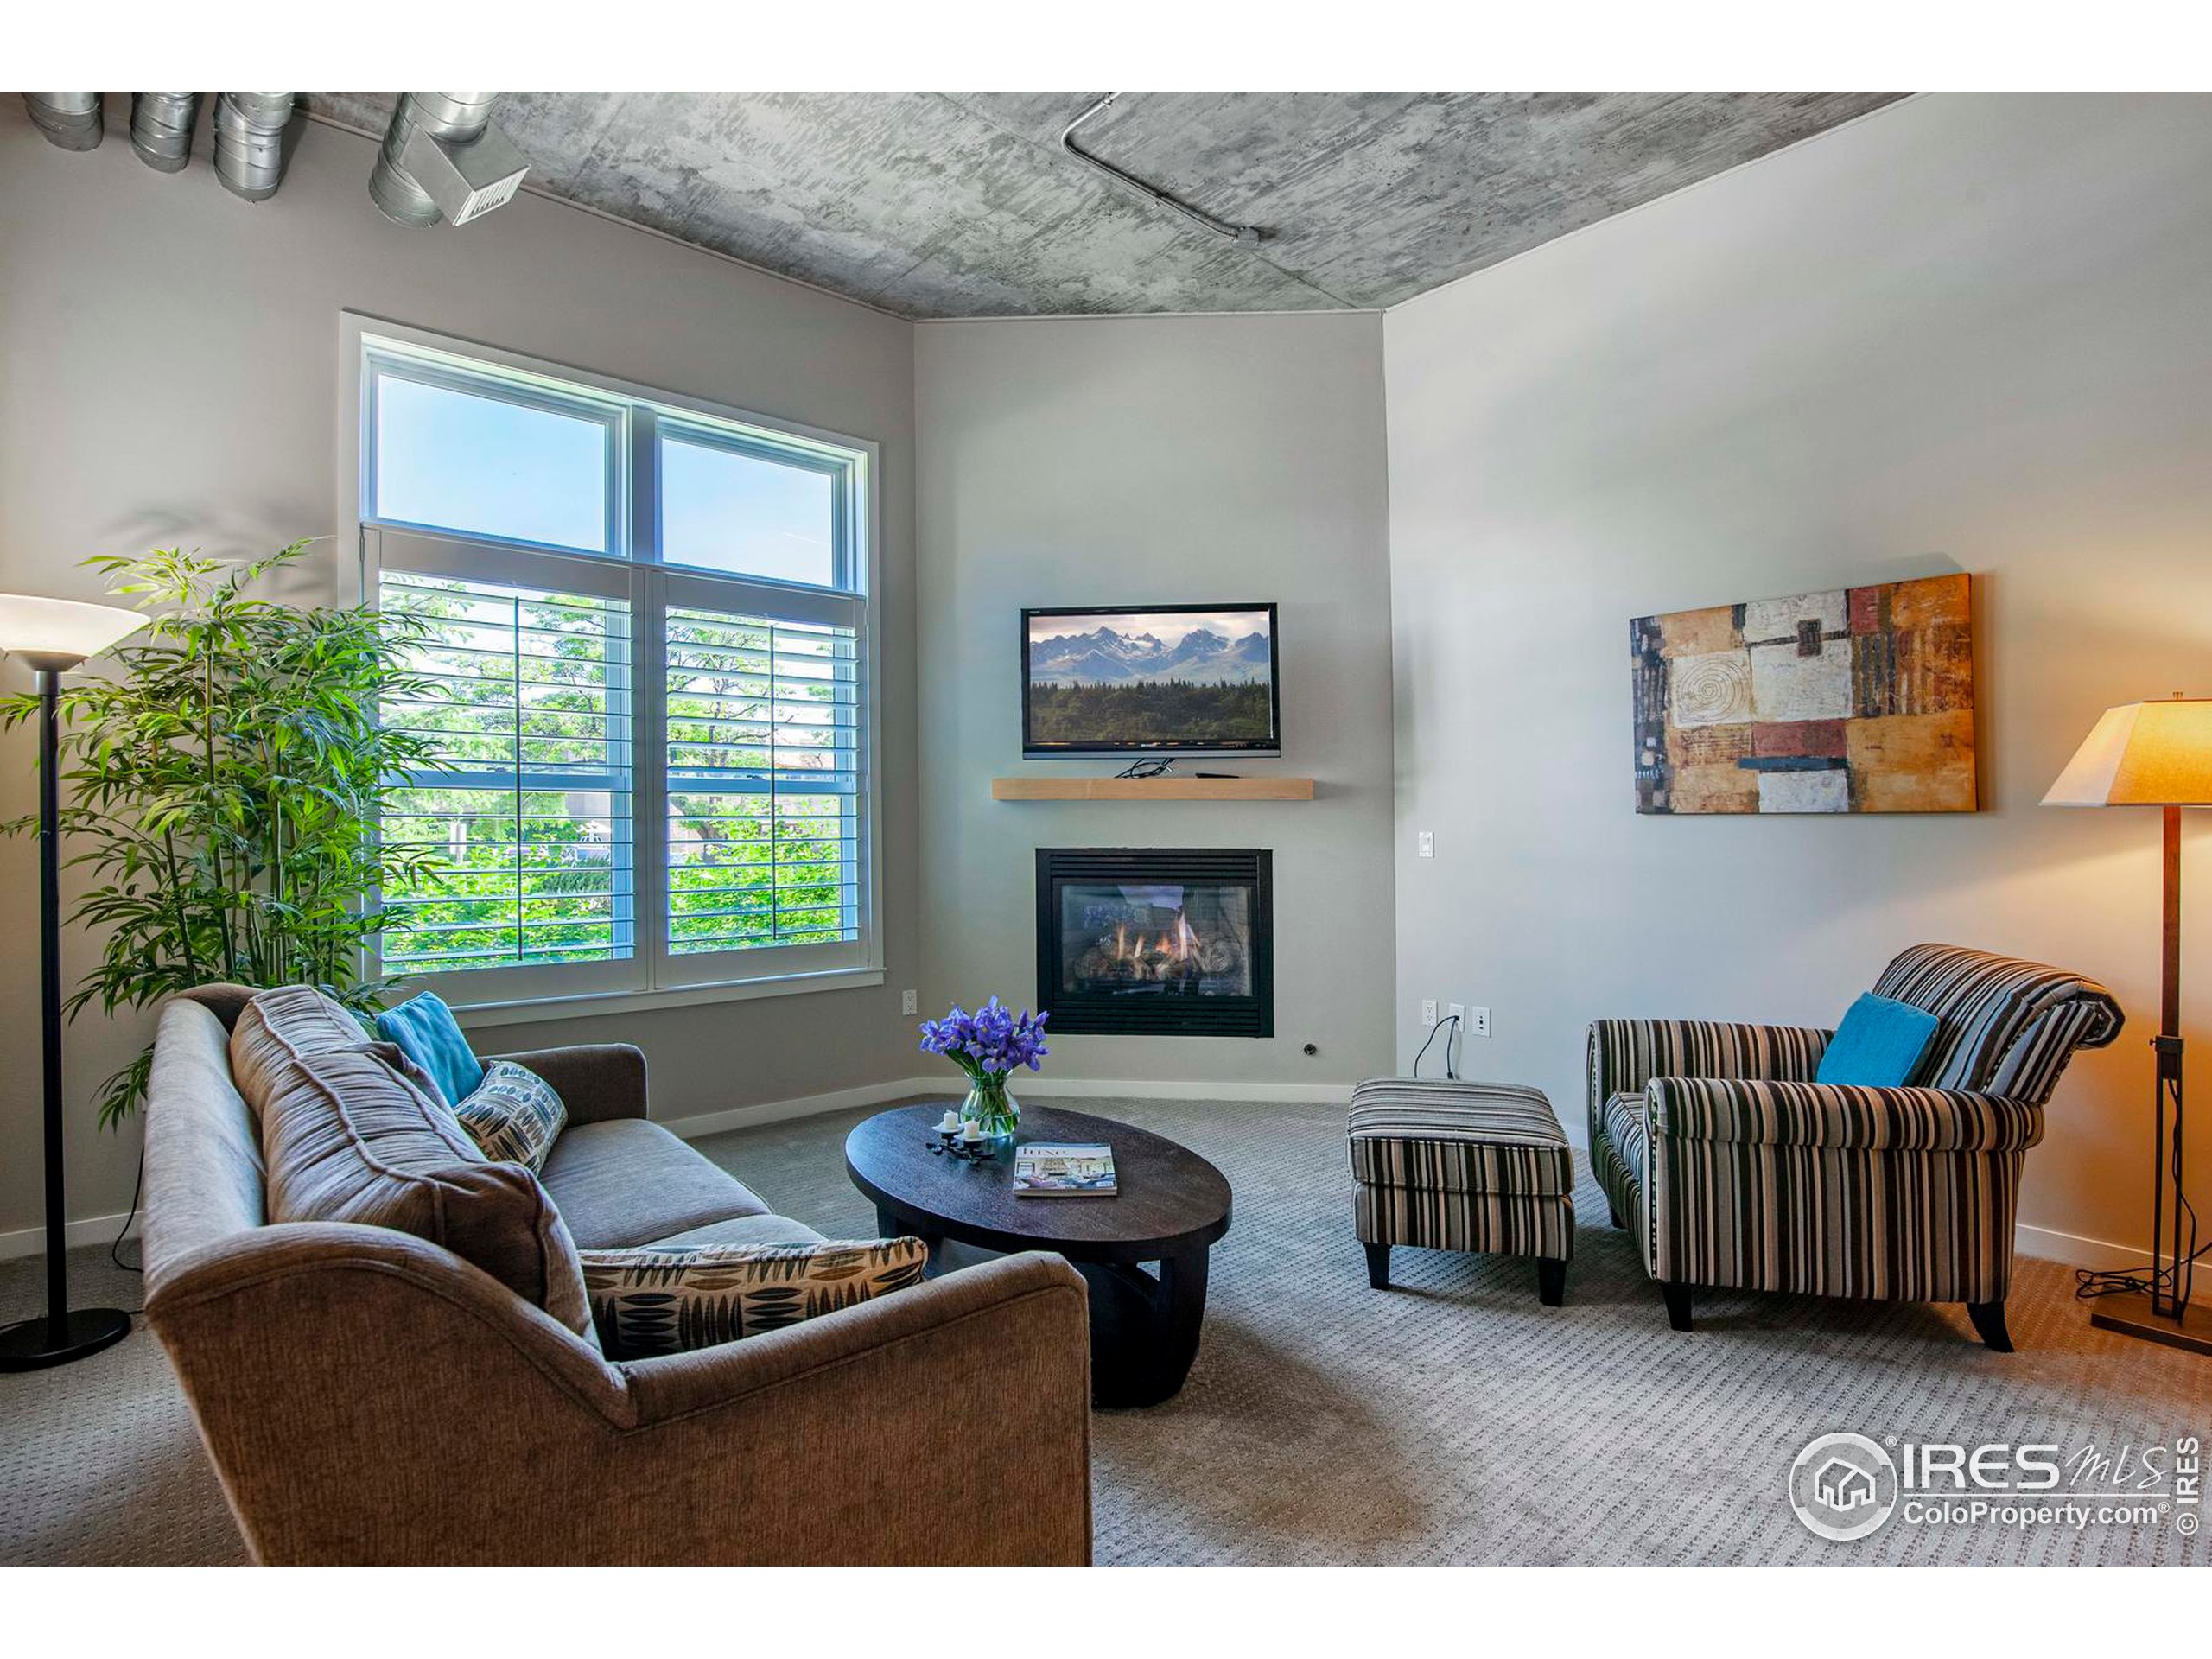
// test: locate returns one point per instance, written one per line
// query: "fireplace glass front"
(1155, 940)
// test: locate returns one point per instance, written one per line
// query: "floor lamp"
(53, 636)
(2155, 754)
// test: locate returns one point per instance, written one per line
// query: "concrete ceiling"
(963, 205)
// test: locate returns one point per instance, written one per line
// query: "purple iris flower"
(988, 1043)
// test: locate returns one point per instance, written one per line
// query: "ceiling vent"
(442, 159)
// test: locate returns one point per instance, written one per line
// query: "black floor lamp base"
(2130, 1315)
(36, 1344)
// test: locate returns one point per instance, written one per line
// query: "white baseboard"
(2075, 1250)
(90, 1229)
(775, 1111)
(1300, 1094)
(1035, 1088)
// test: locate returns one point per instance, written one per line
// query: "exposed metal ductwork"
(161, 127)
(250, 142)
(442, 159)
(69, 120)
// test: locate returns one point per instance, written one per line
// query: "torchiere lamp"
(2154, 754)
(53, 636)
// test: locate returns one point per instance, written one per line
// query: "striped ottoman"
(1451, 1165)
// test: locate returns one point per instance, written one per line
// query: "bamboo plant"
(223, 780)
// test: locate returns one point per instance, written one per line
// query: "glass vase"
(993, 1112)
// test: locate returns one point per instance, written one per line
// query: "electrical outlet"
(909, 1002)
(1478, 1022)
(1425, 843)
(1457, 1011)
(1427, 1012)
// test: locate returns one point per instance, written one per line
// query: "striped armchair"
(1734, 1168)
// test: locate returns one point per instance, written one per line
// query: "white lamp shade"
(2142, 755)
(61, 633)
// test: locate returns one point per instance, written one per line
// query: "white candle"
(971, 1130)
(948, 1123)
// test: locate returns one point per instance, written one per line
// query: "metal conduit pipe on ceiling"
(250, 142)
(69, 120)
(161, 127)
(1245, 235)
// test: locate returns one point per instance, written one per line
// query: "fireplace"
(1156, 941)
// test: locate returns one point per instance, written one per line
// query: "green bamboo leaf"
(223, 784)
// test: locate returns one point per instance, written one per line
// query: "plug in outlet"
(1478, 1022)
(909, 1002)
(1457, 1011)
(1427, 1012)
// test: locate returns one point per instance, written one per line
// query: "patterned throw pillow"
(514, 1117)
(667, 1300)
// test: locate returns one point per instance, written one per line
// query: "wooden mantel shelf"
(1152, 789)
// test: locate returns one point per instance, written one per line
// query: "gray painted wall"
(1143, 462)
(1964, 333)
(173, 371)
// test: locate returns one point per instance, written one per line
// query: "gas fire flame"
(1179, 945)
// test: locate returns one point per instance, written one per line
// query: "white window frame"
(654, 976)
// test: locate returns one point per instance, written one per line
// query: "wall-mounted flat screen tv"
(1179, 679)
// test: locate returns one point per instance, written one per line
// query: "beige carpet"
(1452, 1419)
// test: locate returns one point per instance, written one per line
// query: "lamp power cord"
(2175, 1281)
(1449, 1023)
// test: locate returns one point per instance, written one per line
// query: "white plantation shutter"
(764, 778)
(655, 745)
(529, 711)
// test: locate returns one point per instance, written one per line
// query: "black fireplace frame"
(1075, 1013)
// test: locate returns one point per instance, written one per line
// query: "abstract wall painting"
(1856, 700)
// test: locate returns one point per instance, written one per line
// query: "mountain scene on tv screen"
(1172, 678)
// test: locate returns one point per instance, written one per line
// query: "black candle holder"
(944, 1142)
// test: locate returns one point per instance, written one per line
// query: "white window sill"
(590, 1004)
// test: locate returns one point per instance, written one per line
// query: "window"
(526, 698)
(464, 455)
(728, 507)
(763, 782)
(642, 662)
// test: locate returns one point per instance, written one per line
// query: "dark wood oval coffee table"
(1172, 1206)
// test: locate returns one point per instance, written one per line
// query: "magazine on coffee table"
(1042, 1171)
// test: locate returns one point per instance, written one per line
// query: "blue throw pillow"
(426, 1031)
(1878, 1044)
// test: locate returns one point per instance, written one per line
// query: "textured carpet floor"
(1452, 1419)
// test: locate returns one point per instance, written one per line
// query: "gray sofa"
(367, 1396)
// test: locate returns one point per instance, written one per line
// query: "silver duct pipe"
(457, 118)
(69, 120)
(161, 127)
(250, 142)
(442, 159)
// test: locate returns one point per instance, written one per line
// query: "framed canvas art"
(1854, 700)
